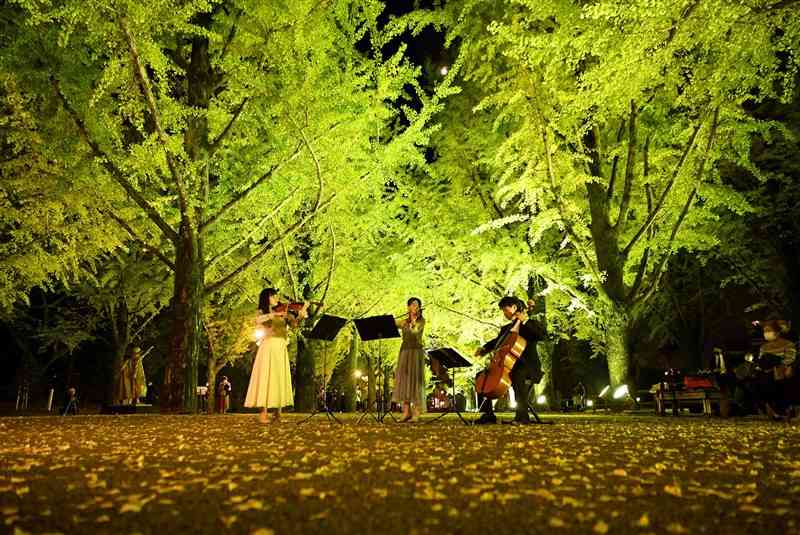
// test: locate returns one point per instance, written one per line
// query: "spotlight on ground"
(621, 392)
(604, 391)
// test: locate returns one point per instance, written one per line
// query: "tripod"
(325, 330)
(381, 410)
(450, 359)
(378, 328)
(532, 410)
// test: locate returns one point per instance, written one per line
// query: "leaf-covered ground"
(228, 474)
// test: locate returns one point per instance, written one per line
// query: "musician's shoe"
(486, 419)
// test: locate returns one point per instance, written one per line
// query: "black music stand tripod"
(377, 328)
(451, 360)
(326, 330)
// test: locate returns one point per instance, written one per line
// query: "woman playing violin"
(409, 376)
(527, 365)
(271, 380)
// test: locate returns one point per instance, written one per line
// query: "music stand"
(451, 360)
(326, 330)
(377, 328)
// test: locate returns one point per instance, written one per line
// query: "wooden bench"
(706, 397)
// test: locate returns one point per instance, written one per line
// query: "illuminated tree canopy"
(204, 150)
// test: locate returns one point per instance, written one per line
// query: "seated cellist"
(526, 367)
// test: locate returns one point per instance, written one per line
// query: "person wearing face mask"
(776, 358)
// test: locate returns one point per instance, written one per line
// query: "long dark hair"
(263, 298)
(419, 304)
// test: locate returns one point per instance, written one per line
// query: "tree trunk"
(547, 385)
(304, 394)
(348, 374)
(371, 378)
(120, 331)
(211, 377)
(618, 349)
(180, 377)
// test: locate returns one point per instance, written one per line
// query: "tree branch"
(649, 194)
(144, 87)
(238, 243)
(684, 211)
(292, 279)
(221, 136)
(265, 249)
(783, 4)
(652, 215)
(249, 189)
(231, 35)
(317, 168)
(614, 164)
(122, 223)
(562, 210)
(332, 264)
(630, 164)
(115, 172)
(465, 315)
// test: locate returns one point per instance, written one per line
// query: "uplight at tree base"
(621, 392)
(541, 400)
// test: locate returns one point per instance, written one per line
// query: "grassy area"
(228, 474)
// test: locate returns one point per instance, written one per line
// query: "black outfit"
(527, 367)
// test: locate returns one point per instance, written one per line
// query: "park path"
(154, 474)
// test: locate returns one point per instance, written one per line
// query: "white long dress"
(271, 379)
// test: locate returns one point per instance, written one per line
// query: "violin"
(293, 308)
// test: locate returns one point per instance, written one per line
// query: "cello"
(495, 380)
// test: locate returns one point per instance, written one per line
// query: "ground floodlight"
(590, 403)
(541, 400)
(621, 392)
(604, 391)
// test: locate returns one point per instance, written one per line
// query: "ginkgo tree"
(614, 116)
(207, 132)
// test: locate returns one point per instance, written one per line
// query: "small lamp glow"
(541, 400)
(590, 403)
(621, 392)
(444, 70)
(357, 374)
